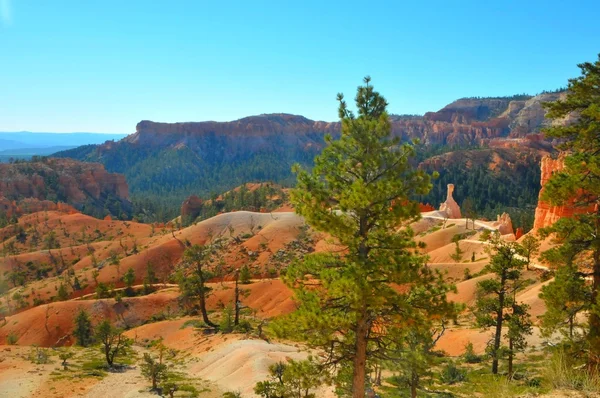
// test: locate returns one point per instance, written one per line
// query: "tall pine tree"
(578, 184)
(365, 299)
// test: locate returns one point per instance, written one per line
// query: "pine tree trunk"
(236, 300)
(202, 297)
(109, 359)
(498, 333)
(594, 322)
(360, 357)
(413, 385)
(510, 358)
(571, 325)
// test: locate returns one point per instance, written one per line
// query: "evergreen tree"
(114, 343)
(153, 369)
(565, 297)
(518, 326)
(83, 330)
(360, 192)
(194, 285)
(494, 295)
(415, 358)
(129, 280)
(62, 293)
(245, 275)
(530, 246)
(578, 184)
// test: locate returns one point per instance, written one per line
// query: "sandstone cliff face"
(465, 121)
(545, 213)
(43, 185)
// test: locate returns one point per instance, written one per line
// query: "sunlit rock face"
(545, 213)
(35, 186)
(450, 206)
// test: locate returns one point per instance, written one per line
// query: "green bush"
(195, 323)
(452, 374)
(469, 356)
(11, 339)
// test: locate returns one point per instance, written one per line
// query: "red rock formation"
(31, 205)
(424, 208)
(504, 224)
(35, 186)
(191, 207)
(463, 121)
(545, 213)
(518, 233)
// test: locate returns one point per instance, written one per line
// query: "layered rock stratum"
(547, 214)
(61, 184)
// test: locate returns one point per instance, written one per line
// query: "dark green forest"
(161, 179)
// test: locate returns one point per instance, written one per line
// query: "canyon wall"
(42, 185)
(545, 213)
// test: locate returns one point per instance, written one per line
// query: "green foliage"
(245, 275)
(415, 358)
(518, 326)
(193, 287)
(39, 355)
(469, 356)
(495, 296)
(530, 246)
(226, 324)
(113, 342)
(266, 197)
(458, 253)
(294, 379)
(129, 280)
(195, 323)
(83, 330)
(565, 297)
(452, 374)
(512, 190)
(102, 290)
(12, 338)
(565, 372)
(64, 356)
(578, 183)
(153, 369)
(359, 192)
(62, 293)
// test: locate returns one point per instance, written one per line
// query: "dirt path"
(127, 384)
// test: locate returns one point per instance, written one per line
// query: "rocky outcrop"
(450, 207)
(31, 205)
(504, 224)
(465, 121)
(191, 207)
(518, 233)
(545, 213)
(426, 207)
(221, 155)
(43, 185)
(531, 117)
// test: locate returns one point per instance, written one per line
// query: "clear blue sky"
(102, 66)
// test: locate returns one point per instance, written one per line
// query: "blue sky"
(102, 66)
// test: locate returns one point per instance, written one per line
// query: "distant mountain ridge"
(171, 161)
(27, 140)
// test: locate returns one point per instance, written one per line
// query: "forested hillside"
(164, 163)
